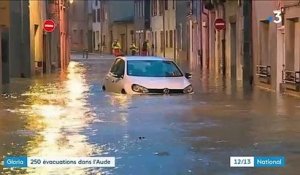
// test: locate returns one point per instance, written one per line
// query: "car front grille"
(162, 91)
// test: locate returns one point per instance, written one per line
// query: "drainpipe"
(164, 30)
(223, 44)
(200, 30)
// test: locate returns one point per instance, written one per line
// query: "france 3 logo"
(277, 18)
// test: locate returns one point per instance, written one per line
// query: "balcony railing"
(292, 77)
(263, 71)
(291, 80)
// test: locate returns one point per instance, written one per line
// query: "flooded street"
(68, 115)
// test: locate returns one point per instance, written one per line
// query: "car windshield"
(153, 68)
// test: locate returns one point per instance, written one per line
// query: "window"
(143, 8)
(173, 4)
(103, 40)
(98, 15)
(74, 38)
(155, 41)
(161, 7)
(96, 2)
(166, 4)
(94, 15)
(94, 39)
(180, 36)
(162, 39)
(154, 7)
(138, 8)
(118, 68)
(171, 38)
(153, 68)
(167, 39)
(97, 38)
(81, 36)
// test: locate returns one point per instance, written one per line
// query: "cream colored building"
(156, 21)
(116, 25)
(276, 46)
(234, 40)
(170, 26)
(37, 13)
(288, 48)
(79, 25)
(96, 27)
(122, 31)
(163, 25)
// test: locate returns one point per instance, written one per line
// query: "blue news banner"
(58, 162)
(258, 161)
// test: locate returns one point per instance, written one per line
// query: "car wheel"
(103, 88)
(123, 91)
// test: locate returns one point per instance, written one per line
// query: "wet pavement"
(68, 115)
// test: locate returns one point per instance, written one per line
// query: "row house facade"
(142, 22)
(162, 29)
(26, 49)
(227, 52)
(79, 22)
(109, 25)
(276, 49)
(96, 28)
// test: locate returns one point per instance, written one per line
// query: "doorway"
(233, 50)
(123, 44)
(5, 56)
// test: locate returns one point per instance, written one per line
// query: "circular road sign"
(220, 24)
(49, 25)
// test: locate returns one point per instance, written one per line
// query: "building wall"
(234, 40)
(125, 11)
(37, 17)
(96, 26)
(19, 62)
(4, 22)
(78, 25)
(265, 40)
(0, 59)
(181, 31)
(139, 22)
(205, 37)
(123, 29)
(54, 37)
(292, 37)
(170, 26)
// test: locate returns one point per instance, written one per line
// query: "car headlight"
(188, 89)
(138, 88)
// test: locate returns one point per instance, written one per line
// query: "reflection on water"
(69, 115)
(57, 114)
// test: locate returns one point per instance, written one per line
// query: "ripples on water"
(68, 115)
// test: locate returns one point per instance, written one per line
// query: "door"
(118, 77)
(4, 57)
(123, 44)
(233, 50)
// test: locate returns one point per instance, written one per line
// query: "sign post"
(49, 25)
(220, 24)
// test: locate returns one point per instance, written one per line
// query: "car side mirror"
(188, 75)
(119, 76)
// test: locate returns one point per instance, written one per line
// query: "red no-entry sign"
(220, 24)
(49, 25)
